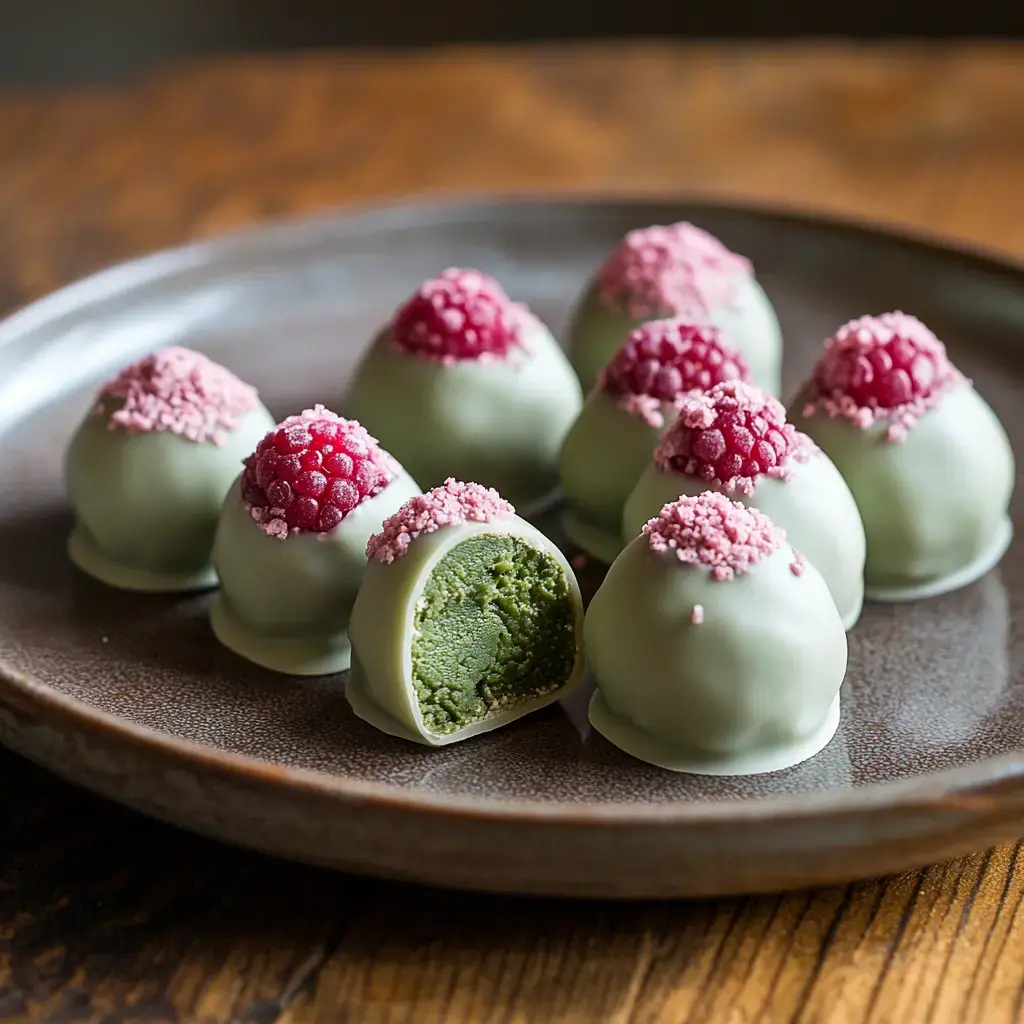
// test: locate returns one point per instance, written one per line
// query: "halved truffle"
(468, 618)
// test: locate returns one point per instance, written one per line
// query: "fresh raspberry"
(311, 471)
(887, 367)
(730, 436)
(462, 314)
(883, 362)
(667, 358)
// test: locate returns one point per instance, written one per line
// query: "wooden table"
(107, 916)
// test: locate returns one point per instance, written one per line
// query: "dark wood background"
(61, 41)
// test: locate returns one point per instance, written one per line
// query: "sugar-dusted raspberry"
(179, 391)
(723, 537)
(888, 367)
(730, 436)
(670, 270)
(311, 471)
(462, 314)
(662, 360)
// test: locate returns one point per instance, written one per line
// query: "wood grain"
(105, 916)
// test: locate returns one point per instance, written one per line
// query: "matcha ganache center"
(493, 627)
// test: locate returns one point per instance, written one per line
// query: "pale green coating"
(497, 422)
(603, 456)
(753, 687)
(934, 505)
(493, 628)
(814, 507)
(382, 685)
(285, 604)
(595, 334)
(147, 504)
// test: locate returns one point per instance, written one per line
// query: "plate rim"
(971, 788)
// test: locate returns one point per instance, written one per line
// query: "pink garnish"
(662, 360)
(889, 367)
(311, 471)
(697, 615)
(180, 391)
(730, 436)
(670, 270)
(450, 504)
(463, 314)
(799, 563)
(710, 531)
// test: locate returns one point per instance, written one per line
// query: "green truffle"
(147, 504)
(596, 334)
(493, 627)
(472, 627)
(498, 422)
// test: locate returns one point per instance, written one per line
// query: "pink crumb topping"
(709, 531)
(697, 615)
(311, 471)
(180, 391)
(663, 360)
(799, 563)
(462, 314)
(889, 367)
(730, 436)
(450, 504)
(670, 270)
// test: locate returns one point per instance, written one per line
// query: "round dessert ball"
(926, 458)
(148, 469)
(715, 646)
(618, 428)
(291, 543)
(468, 618)
(670, 271)
(465, 383)
(735, 439)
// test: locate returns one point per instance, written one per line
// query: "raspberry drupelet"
(730, 436)
(311, 471)
(890, 367)
(460, 314)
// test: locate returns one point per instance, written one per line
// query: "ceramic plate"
(132, 697)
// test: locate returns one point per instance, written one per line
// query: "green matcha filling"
(494, 627)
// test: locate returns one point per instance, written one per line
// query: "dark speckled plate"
(132, 697)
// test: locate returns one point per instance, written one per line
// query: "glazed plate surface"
(132, 697)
